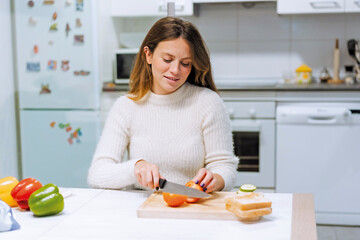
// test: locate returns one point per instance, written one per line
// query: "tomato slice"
(174, 200)
(196, 186)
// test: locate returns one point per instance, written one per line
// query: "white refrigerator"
(59, 88)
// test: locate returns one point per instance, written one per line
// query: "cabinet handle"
(178, 8)
(325, 5)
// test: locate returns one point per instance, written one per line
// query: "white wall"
(8, 150)
(250, 43)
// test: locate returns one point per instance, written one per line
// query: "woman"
(172, 122)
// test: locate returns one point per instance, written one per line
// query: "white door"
(352, 5)
(56, 55)
(141, 8)
(309, 6)
(57, 146)
(322, 159)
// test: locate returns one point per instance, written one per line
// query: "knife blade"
(171, 187)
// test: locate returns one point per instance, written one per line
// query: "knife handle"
(162, 182)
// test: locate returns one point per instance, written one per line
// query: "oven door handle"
(246, 126)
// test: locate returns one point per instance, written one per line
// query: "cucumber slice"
(247, 188)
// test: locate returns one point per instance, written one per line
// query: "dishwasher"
(318, 152)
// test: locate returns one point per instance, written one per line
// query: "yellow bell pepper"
(6, 185)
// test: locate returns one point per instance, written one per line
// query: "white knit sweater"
(180, 132)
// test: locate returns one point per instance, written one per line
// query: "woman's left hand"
(209, 181)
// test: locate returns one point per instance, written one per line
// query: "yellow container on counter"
(303, 74)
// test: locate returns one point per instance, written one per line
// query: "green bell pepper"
(46, 201)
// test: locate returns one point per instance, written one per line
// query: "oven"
(253, 130)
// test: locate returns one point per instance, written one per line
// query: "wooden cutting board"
(209, 208)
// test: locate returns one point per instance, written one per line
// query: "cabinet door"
(310, 6)
(352, 5)
(140, 8)
(57, 146)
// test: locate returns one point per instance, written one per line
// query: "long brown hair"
(168, 28)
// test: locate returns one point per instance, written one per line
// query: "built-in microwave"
(124, 62)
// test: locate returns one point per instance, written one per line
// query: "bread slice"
(248, 206)
(250, 215)
(247, 201)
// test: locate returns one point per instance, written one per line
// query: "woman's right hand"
(147, 174)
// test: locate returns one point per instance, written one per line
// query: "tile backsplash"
(256, 43)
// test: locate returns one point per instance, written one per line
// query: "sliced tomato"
(174, 200)
(196, 186)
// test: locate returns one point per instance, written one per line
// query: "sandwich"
(249, 206)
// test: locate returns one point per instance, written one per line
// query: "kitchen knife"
(170, 187)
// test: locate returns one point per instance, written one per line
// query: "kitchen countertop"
(110, 87)
(111, 214)
(291, 87)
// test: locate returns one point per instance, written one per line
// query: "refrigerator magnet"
(32, 21)
(79, 5)
(84, 73)
(79, 39)
(78, 23)
(36, 49)
(45, 89)
(76, 134)
(65, 65)
(52, 124)
(54, 16)
(31, 3)
(68, 2)
(67, 29)
(51, 42)
(48, 2)
(52, 64)
(81, 73)
(53, 27)
(33, 66)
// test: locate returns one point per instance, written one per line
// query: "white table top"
(109, 214)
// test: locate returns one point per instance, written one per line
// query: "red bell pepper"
(22, 191)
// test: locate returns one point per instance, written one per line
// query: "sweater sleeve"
(218, 141)
(108, 170)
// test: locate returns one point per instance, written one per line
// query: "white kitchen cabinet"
(310, 6)
(228, 1)
(141, 8)
(352, 5)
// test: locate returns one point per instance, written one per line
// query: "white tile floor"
(326, 232)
